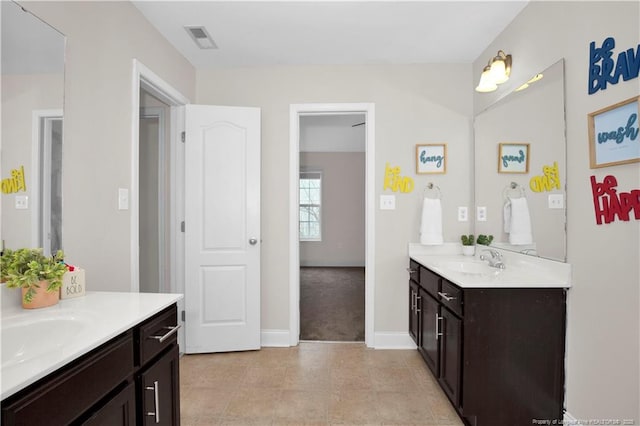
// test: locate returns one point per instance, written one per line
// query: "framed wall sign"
(613, 134)
(513, 158)
(431, 158)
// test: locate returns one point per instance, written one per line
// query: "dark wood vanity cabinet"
(497, 353)
(118, 383)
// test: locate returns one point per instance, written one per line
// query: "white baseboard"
(393, 340)
(274, 338)
(570, 420)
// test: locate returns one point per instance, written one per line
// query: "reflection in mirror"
(32, 101)
(530, 202)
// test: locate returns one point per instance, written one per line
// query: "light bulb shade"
(486, 83)
(498, 71)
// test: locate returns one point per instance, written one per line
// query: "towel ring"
(431, 187)
(513, 187)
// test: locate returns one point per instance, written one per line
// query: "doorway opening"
(146, 81)
(332, 227)
(298, 114)
(47, 169)
(153, 198)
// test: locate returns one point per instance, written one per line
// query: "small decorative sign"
(608, 203)
(395, 182)
(603, 69)
(549, 180)
(73, 284)
(613, 134)
(431, 158)
(513, 158)
(15, 183)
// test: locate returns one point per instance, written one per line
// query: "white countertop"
(521, 271)
(84, 324)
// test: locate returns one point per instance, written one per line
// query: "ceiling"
(265, 33)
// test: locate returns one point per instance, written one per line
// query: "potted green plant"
(484, 240)
(39, 276)
(468, 245)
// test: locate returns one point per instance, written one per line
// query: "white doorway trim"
(37, 135)
(295, 111)
(143, 77)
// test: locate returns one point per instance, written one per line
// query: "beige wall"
(21, 95)
(603, 324)
(103, 38)
(413, 104)
(343, 208)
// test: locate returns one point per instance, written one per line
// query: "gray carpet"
(332, 304)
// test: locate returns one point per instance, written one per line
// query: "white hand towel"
(431, 224)
(519, 221)
(506, 210)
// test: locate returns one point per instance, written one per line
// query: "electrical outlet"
(463, 214)
(556, 201)
(22, 202)
(481, 214)
(387, 202)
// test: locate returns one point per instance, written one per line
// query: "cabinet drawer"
(157, 333)
(414, 271)
(429, 281)
(65, 395)
(451, 297)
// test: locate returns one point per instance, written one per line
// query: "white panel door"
(222, 228)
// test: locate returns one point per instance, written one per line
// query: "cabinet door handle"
(446, 297)
(411, 271)
(413, 300)
(438, 334)
(156, 401)
(172, 330)
(418, 307)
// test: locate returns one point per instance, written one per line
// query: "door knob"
(253, 241)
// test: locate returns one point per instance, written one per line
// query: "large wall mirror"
(32, 121)
(520, 167)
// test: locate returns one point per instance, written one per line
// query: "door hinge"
(183, 316)
(182, 226)
(183, 136)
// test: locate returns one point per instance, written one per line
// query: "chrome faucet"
(495, 260)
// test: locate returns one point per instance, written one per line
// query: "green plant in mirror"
(25, 268)
(485, 240)
(467, 240)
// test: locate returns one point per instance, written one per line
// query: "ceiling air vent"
(201, 37)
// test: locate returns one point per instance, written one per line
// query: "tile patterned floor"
(312, 384)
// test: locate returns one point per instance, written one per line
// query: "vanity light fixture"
(486, 83)
(496, 72)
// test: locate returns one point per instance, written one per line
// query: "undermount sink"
(469, 267)
(24, 341)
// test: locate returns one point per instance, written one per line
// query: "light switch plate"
(22, 202)
(123, 199)
(463, 214)
(387, 202)
(481, 214)
(556, 201)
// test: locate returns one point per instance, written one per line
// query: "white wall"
(103, 38)
(343, 209)
(414, 104)
(603, 330)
